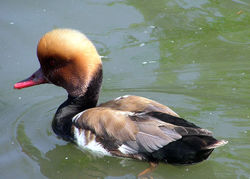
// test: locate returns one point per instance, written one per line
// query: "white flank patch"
(121, 97)
(126, 149)
(94, 146)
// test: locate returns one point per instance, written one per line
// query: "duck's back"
(140, 128)
(137, 104)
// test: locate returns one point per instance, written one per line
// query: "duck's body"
(128, 126)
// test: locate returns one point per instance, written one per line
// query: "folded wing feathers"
(154, 134)
(107, 123)
(140, 133)
(192, 131)
(150, 143)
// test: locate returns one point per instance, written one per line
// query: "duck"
(128, 126)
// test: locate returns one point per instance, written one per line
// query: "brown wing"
(139, 132)
(108, 123)
(137, 104)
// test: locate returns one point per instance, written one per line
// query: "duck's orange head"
(68, 59)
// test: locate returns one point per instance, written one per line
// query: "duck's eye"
(52, 62)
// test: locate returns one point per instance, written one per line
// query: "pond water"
(193, 56)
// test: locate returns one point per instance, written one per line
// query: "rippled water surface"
(193, 56)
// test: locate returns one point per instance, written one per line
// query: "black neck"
(62, 122)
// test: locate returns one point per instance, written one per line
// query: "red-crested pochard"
(128, 126)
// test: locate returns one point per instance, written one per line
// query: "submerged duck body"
(128, 126)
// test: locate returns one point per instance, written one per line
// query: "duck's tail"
(218, 143)
(188, 150)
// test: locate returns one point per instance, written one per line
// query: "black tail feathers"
(187, 150)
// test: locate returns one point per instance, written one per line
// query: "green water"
(193, 56)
